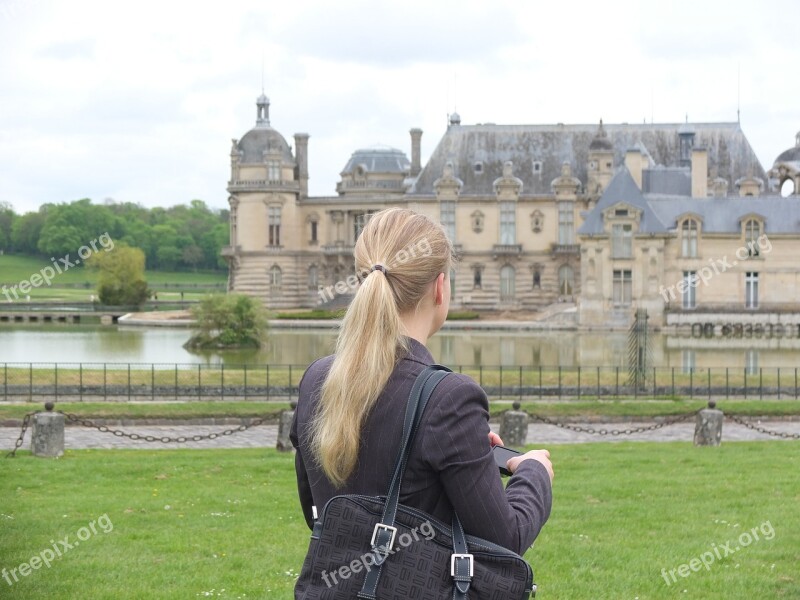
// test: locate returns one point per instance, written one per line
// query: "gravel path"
(265, 436)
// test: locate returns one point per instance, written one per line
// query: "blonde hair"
(414, 250)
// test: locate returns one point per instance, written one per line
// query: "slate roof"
(622, 188)
(729, 153)
(379, 160)
(660, 212)
(262, 138)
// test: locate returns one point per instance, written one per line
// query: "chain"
(164, 439)
(616, 432)
(25, 422)
(758, 428)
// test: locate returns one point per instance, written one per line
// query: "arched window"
(275, 278)
(507, 288)
(689, 239)
(566, 280)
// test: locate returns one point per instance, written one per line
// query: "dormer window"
(621, 212)
(752, 232)
(537, 167)
(689, 230)
(478, 168)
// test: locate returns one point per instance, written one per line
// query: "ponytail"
(412, 250)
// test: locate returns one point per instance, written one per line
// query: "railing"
(566, 248)
(135, 381)
(507, 249)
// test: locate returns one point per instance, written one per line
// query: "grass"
(14, 268)
(259, 408)
(226, 523)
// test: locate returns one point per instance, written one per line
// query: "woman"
(349, 416)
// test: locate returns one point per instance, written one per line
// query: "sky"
(138, 102)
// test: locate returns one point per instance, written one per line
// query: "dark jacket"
(450, 464)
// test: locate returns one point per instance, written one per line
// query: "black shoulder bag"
(373, 548)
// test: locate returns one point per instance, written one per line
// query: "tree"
(7, 218)
(228, 321)
(25, 232)
(121, 281)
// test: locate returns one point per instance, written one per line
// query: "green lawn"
(226, 523)
(14, 269)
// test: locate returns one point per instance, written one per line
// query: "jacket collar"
(417, 352)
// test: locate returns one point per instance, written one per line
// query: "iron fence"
(153, 381)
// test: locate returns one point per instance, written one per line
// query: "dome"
(600, 141)
(455, 119)
(262, 139)
(792, 154)
(378, 159)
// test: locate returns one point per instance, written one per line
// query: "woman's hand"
(542, 456)
(494, 439)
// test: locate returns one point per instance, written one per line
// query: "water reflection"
(87, 343)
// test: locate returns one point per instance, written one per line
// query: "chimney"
(301, 156)
(699, 172)
(416, 137)
(633, 162)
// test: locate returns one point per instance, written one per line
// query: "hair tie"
(380, 268)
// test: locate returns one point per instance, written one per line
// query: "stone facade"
(512, 198)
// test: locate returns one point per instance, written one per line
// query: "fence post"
(559, 382)
(520, 383)
(655, 387)
(480, 375)
(501, 382)
(129, 382)
(691, 382)
(617, 390)
(290, 382)
(673, 382)
(80, 381)
(709, 383)
(105, 383)
(727, 386)
(760, 383)
(245, 381)
(199, 389)
(152, 381)
(268, 382)
(176, 381)
(56, 368)
(598, 383)
(5, 381)
(540, 382)
(222, 381)
(745, 383)
(779, 383)
(30, 380)
(795, 383)
(579, 382)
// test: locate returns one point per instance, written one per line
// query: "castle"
(609, 217)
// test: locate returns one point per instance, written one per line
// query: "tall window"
(452, 284)
(507, 287)
(274, 213)
(566, 223)
(689, 239)
(751, 290)
(314, 226)
(566, 280)
(688, 360)
(313, 277)
(447, 210)
(623, 287)
(689, 289)
(477, 277)
(752, 229)
(508, 223)
(274, 170)
(359, 222)
(621, 236)
(275, 278)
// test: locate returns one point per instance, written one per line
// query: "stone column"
(284, 427)
(514, 427)
(708, 427)
(47, 436)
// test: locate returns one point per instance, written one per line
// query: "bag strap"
(384, 533)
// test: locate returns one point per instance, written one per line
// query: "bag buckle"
(455, 557)
(390, 529)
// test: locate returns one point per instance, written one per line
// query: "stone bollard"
(47, 435)
(708, 428)
(284, 427)
(514, 427)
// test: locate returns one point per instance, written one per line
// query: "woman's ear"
(439, 290)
